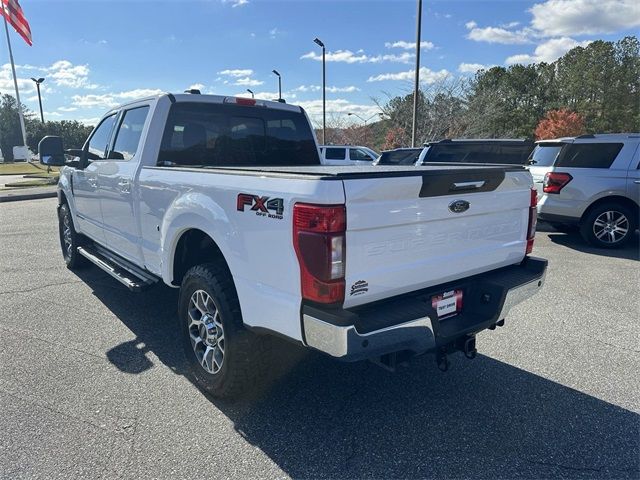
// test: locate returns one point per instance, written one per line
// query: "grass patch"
(36, 182)
(23, 168)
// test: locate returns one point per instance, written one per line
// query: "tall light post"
(251, 92)
(279, 85)
(318, 42)
(38, 82)
(417, 79)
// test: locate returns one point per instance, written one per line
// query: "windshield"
(544, 155)
(399, 157)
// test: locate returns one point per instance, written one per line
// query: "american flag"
(12, 11)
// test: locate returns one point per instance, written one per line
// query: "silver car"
(591, 182)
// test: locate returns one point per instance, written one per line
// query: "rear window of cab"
(209, 134)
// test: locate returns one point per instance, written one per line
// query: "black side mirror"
(51, 151)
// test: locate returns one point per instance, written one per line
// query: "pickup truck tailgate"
(431, 226)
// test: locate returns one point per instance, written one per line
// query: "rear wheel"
(224, 358)
(609, 225)
(70, 240)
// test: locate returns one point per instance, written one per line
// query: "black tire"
(72, 258)
(244, 364)
(622, 217)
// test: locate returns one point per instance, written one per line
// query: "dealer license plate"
(447, 304)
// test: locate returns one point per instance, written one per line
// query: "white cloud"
(472, 67)
(584, 17)
(274, 32)
(427, 76)
(409, 45)
(110, 100)
(67, 109)
(548, 51)
(317, 88)
(266, 95)
(89, 121)
(52, 114)
(338, 106)
(404, 57)
(240, 77)
(347, 56)
(196, 86)
(248, 82)
(497, 35)
(66, 74)
(236, 3)
(237, 72)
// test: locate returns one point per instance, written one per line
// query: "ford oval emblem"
(459, 206)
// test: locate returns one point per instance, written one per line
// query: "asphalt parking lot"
(91, 384)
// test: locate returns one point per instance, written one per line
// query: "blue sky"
(96, 54)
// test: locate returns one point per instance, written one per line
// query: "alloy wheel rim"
(66, 235)
(206, 332)
(611, 226)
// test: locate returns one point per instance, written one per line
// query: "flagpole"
(15, 80)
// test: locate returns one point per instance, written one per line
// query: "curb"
(16, 196)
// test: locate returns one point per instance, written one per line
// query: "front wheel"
(70, 240)
(224, 358)
(609, 225)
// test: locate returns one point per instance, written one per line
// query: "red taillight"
(555, 181)
(533, 221)
(319, 242)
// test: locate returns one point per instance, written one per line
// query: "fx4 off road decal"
(263, 206)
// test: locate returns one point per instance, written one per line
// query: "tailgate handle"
(468, 185)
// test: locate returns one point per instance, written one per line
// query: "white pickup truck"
(225, 198)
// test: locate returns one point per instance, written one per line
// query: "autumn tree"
(560, 123)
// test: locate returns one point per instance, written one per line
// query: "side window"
(129, 132)
(359, 155)
(335, 153)
(100, 138)
(588, 155)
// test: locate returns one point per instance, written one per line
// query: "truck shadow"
(631, 251)
(321, 418)
(574, 240)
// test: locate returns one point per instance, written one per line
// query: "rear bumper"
(408, 322)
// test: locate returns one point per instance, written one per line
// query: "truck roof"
(200, 98)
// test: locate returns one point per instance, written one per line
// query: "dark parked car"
(501, 151)
(399, 156)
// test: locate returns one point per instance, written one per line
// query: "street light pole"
(38, 82)
(324, 89)
(279, 85)
(416, 86)
(251, 92)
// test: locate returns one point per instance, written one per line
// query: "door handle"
(468, 185)
(125, 186)
(636, 181)
(93, 182)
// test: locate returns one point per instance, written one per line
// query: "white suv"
(346, 155)
(593, 183)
